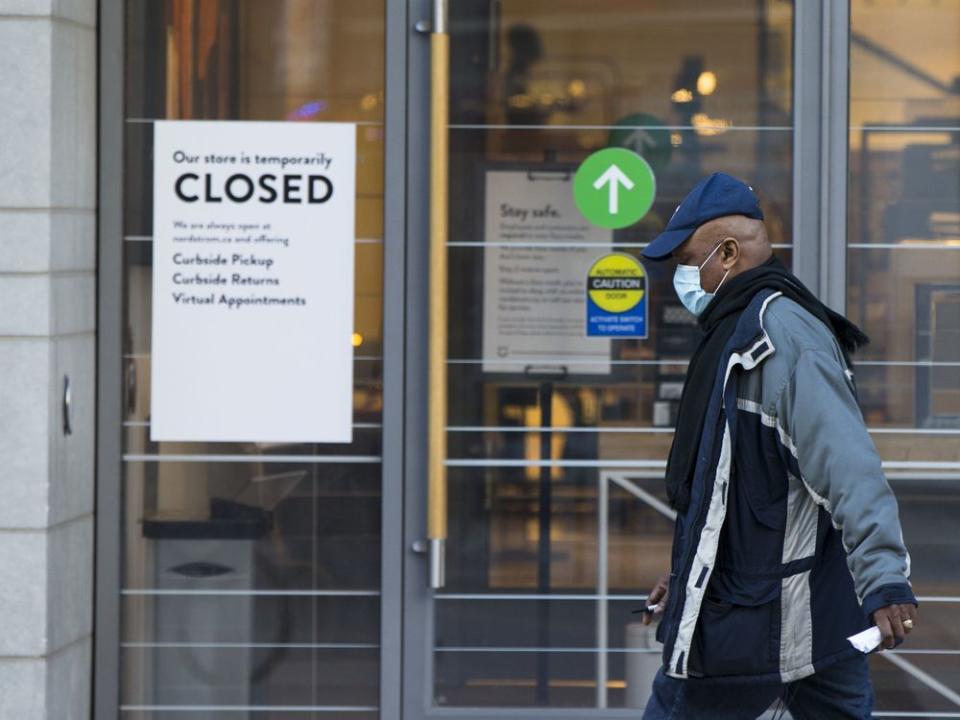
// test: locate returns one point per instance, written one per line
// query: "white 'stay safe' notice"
(537, 253)
(253, 255)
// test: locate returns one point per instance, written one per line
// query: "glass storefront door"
(556, 443)
(250, 580)
(265, 580)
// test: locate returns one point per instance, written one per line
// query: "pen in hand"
(648, 612)
(656, 600)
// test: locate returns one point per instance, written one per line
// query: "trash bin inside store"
(204, 656)
(204, 616)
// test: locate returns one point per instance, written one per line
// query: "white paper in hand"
(866, 641)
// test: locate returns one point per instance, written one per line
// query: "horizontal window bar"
(908, 363)
(656, 430)
(238, 646)
(907, 714)
(356, 358)
(537, 596)
(623, 650)
(504, 126)
(638, 651)
(249, 708)
(305, 459)
(613, 598)
(603, 430)
(136, 592)
(593, 360)
(533, 244)
(924, 652)
(496, 462)
(914, 431)
(922, 476)
(921, 464)
(601, 245)
(149, 238)
(556, 428)
(376, 123)
(356, 426)
(931, 245)
(908, 128)
(565, 360)
(477, 462)
(599, 463)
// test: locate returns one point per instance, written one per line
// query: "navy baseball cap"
(714, 196)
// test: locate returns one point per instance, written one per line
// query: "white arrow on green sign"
(612, 178)
(614, 188)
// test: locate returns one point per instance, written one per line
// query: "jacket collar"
(750, 344)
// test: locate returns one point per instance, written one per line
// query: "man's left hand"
(892, 621)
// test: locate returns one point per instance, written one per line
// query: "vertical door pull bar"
(437, 420)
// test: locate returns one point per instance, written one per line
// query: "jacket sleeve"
(839, 464)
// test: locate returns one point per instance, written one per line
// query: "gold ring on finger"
(908, 624)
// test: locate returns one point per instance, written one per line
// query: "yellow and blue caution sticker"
(617, 297)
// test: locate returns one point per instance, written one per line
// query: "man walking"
(787, 538)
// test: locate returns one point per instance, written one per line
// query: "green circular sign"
(614, 188)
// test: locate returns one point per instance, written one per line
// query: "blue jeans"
(842, 690)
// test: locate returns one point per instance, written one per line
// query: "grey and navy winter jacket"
(792, 537)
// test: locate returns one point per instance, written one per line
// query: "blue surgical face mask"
(686, 281)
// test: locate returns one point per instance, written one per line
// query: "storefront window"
(251, 571)
(903, 272)
(554, 539)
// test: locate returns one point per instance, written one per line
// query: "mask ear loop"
(707, 259)
(721, 282)
(717, 289)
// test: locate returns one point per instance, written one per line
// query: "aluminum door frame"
(820, 100)
(108, 533)
(819, 193)
(110, 281)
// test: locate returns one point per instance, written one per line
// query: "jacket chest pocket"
(735, 640)
(759, 482)
(766, 504)
(752, 537)
(759, 471)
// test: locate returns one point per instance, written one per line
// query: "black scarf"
(718, 322)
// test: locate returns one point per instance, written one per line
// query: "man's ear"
(730, 252)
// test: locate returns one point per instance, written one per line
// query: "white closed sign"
(253, 281)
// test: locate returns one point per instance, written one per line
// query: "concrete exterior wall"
(47, 332)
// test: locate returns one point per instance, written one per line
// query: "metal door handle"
(67, 406)
(437, 398)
